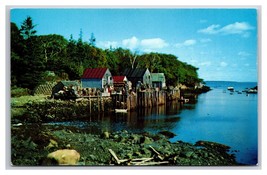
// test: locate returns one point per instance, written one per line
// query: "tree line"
(34, 57)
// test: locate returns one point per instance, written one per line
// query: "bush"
(17, 92)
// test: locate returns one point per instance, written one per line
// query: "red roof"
(97, 73)
(118, 79)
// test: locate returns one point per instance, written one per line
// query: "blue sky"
(222, 43)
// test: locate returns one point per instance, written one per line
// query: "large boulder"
(63, 157)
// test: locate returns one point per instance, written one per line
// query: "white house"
(96, 78)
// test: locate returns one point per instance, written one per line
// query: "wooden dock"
(142, 99)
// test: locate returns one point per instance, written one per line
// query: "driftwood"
(144, 160)
(116, 158)
(155, 151)
(138, 161)
(155, 163)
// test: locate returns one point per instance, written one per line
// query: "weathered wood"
(144, 160)
(90, 105)
(116, 158)
(138, 161)
(114, 155)
(154, 163)
(155, 151)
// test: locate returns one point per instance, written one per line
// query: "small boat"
(252, 91)
(120, 110)
(230, 88)
(184, 100)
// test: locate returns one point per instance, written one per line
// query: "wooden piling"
(90, 105)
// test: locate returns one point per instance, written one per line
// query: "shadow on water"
(153, 120)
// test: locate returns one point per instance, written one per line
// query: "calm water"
(224, 118)
(214, 116)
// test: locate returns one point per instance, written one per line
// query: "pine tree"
(92, 40)
(27, 28)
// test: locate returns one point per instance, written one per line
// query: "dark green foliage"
(17, 92)
(32, 66)
(32, 56)
(27, 28)
(92, 40)
(175, 71)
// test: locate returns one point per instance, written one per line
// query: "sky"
(221, 42)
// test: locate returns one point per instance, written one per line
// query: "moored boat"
(230, 88)
(184, 100)
(252, 91)
(120, 110)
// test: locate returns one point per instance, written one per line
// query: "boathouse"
(121, 83)
(158, 80)
(96, 78)
(138, 77)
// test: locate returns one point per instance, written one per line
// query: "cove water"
(217, 116)
(224, 117)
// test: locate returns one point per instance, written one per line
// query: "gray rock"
(168, 134)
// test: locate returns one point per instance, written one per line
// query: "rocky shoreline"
(31, 145)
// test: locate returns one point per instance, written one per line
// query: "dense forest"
(39, 58)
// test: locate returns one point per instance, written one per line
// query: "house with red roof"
(96, 78)
(119, 81)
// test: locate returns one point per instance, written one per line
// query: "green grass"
(17, 92)
(17, 102)
(22, 100)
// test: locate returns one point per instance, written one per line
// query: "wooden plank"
(155, 151)
(116, 158)
(154, 163)
(144, 160)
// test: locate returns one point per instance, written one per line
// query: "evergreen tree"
(29, 66)
(32, 55)
(92, 40)
(16, 53)
(27, 28)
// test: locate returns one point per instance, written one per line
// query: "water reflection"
(153, 120)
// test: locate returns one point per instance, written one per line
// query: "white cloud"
(108, 44)
(213, 29)
(133, 43)
(189, 42)
(153, 43)
(236, 28)
(130, 43)
(240, 28)
(206, 63)
(223, 64)
(205, 40)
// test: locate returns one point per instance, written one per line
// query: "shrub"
(17, 92)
